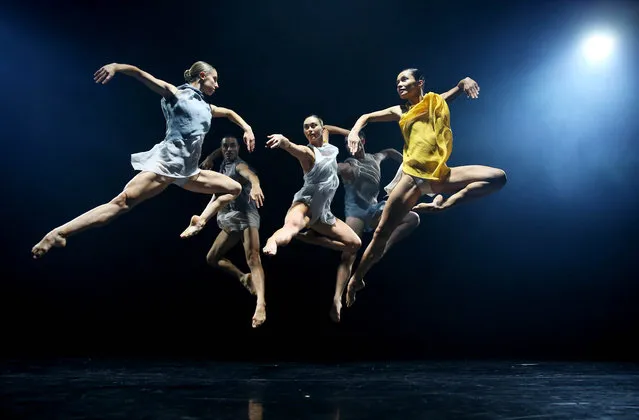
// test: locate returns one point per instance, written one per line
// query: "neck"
(195, 84)
(416, 99)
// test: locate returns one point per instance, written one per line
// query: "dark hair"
(315, 116)
(230, 137)
(416, 73)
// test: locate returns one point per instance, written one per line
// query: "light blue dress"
(188, 119)
(320, 184)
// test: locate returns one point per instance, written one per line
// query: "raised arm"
(389, 154)
(466, 85)
(393, 113)
(332, 129)
(302, 153)
(106, 73)
(249, 137)
(256, 190)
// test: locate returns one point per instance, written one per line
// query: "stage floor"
(109, 389)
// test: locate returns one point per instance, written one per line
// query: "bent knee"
(234, 188)
(499, 178)
(122, 201)
(353, 244)
(412, 219)
(212, 260)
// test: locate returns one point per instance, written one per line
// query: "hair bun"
(187, 75)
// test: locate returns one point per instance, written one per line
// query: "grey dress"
(242, 212)
(320, 184)
(188, 119)
(360, 200)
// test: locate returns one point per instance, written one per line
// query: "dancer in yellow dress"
(425, 125)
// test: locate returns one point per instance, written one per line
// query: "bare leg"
(296, 219)
(143, 186)
(344, 270)
(251, 241)
(312, 238)
(345, 235)
(222, 244)
(405, 228)
(465, 183)
(401, 200)
(210, 182)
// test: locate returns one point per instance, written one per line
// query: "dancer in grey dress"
(361, 176)
(173, 160)
(239, 220)
(312, 204)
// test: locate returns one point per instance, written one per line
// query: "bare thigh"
(298, 215)
(340, 231)
(211, 182)
(222, 244)
(401, 200)
(143, 186)
(356, 224)
(461, 176)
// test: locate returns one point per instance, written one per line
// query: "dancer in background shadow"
(239, 221)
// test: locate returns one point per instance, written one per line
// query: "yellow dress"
(428, 139)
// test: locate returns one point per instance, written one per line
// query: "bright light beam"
(598, 47)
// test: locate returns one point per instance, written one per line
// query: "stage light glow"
(598, 47)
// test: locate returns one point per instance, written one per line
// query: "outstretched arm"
(256, 190)
(393, 113)
(106, 73)
(302, 153)
(466, 85)
(249, 137)
(389, 154)
(332, 129)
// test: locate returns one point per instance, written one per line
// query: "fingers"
(272, 143)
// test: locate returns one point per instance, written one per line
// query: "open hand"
(470, 87)
(105, 73)
(353, 142)
(249, 140)
(276, 141)
(257, 195)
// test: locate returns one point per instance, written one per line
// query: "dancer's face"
(230, 148)
(407, 86)
(208, 82)
(313, 131)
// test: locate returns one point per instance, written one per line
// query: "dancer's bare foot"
(336, 311)
(259, 317)
(433, 206)
(353, 287)
(247, 282)
(196, 225)
(270, 248)
(51, 240)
